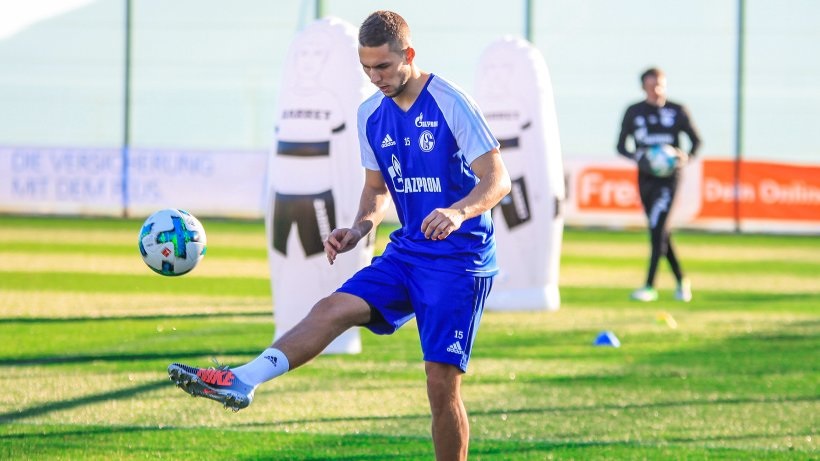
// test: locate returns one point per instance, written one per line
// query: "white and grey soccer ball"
(661, 159)
(172, 242)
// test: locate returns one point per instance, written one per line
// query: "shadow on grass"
(39, 410)
(120, 357)
(115, 318)
(360, 447)
(246, 445)
(552, 410)
(85, 432)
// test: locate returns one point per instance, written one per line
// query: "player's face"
(387, 69)
(655, 89)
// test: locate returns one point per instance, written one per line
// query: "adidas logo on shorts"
(388, 141)
(455, 348)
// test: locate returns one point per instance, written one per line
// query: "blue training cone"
(607, 338)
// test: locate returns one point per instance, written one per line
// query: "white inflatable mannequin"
(514, 90)
(315, 176)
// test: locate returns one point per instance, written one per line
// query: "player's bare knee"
(343, 310)
(443, 382)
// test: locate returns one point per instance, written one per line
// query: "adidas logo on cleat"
(455, 348)
(388, 141)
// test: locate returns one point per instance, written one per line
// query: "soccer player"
(657, 121)
(424, 143)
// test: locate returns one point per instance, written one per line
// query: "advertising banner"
(771, 197)
(89, 181)
(766, 192)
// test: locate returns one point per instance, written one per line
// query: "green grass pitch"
(86, 332)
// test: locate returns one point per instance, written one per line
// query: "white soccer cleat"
(684, 291)
(645, 294)
(218, 384)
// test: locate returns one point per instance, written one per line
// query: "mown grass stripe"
(728, 240)
(706, 300)
(102, 249)
(130, 225)
(124, 283)
(798, 268)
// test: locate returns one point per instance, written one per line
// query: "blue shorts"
(447, 305)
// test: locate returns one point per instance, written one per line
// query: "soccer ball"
(660, 159)
(172, 242)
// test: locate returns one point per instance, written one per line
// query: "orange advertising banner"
(766, 191)
(603, 188)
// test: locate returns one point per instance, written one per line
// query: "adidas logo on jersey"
(388, 141)
(455, 348)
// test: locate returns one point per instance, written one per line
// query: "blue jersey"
(424, 155)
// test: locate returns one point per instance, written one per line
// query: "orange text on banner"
(607, 189)
(773, 191)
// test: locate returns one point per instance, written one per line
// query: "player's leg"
(448, 307)
(328, 319)
(450, 427)
(659, 232)
(649, 192)
(672, 257)
(234, 388)
(662, 246)
(669, 191)
(658, 240)
(683, 292)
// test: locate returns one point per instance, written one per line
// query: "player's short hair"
(385, 27)
(651, 72)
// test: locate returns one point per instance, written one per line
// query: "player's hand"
(683, 158)
(339, 241)
(442, 222)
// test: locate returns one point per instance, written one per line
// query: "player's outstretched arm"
(494, 184)
(372, 206)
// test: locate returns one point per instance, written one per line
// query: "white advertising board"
(89, 181)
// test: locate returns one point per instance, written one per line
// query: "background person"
(657, 121)
(424, 143)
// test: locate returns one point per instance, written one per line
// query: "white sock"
(268, 365)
